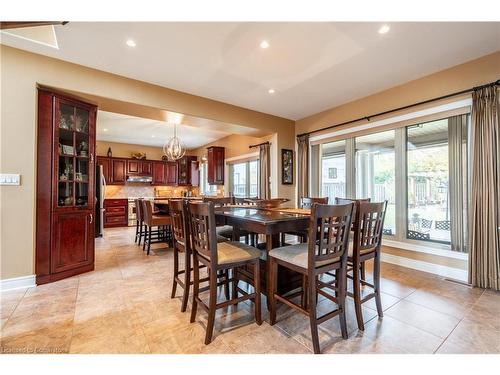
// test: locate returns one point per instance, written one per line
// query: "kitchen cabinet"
(215, 167)
(184, 171)
(139, 167)
(118, 171)
(195, 173)
(171, 173)
(116, 213)
(159, 173)
(106, 167)
(65, 187)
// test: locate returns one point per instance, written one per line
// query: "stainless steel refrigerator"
(100, 193)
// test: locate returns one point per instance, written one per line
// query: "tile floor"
(124, 306)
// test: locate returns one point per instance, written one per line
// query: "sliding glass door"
(333, 170)
(244, 179)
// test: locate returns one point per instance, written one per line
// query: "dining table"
(270, 222)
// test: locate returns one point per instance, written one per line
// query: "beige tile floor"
(124, 306)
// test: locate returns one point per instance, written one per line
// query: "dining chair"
(218, 257)
(139, 221)
(325, 251)
(305, 202)
(182, 246)
(366, 245)
(157, 227)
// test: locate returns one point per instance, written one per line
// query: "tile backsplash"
(134, 191)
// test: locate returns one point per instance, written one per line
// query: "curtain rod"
(260, 144)
(368, 118)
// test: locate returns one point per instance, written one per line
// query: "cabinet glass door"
(73, 161)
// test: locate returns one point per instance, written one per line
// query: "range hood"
(144, 179)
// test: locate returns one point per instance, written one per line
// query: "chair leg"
(273, 279)
(256, 281)
(357, 296)
(376, 284)
(304, 292)
(235, 283)
(145, 237)
(283, 236)
(140, 233)
(226, 284)
(136, 230)
(363, 271)
(176, 272)
(312, 315)
(196, 287)
(211, 307)
(246, 239)
(187, 281)
(341, 275)
(149, 239)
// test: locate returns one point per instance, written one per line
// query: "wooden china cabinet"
(65, 187)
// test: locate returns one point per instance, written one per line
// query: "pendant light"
(173, 149)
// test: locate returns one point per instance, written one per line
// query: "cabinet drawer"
(115, 220)
(115, 202)
(118, 210)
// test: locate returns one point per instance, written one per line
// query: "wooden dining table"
(268, 222)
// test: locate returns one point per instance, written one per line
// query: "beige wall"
(125, 150)
(21, 72)
(461, 77)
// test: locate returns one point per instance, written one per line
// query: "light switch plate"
(10, 179)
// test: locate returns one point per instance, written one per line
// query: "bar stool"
(162, 233)
(222, 229)
(218, 256)
(366, 245)
(139, 221)
(327, 250)
(182, 245)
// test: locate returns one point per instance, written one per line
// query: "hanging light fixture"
(173, 148)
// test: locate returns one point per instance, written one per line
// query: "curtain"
(484, 231)
(303, 167)
(265, 171)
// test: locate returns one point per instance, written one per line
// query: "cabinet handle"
(91, 218)
(91, 158)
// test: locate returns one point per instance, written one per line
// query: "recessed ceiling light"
(384, 29)
(104, 130)
(131, 43)
(271, 91)
(153, 136)
(264, 44)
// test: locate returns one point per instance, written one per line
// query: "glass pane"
(82, 120)
(67, 117)
(65, 194)
(254, 178)
(65, 168)
(428, 188)
(240, 180)
(82, 170)
(376, 172)
(66, 142)
(82, 144)
(82, 194)
(333, 170)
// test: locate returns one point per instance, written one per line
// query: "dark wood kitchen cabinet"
(65, 187)
(159, 173)
(106, 167)
(139, 167)
(116, 213)
(171, 173)
(215, 167)
(118, 171)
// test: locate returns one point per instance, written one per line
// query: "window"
(428, 193)
(205, 188)
(333, 170)
(376, 173)
(244, 179)
(421, 170)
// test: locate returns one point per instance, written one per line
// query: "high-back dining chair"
(218, 257)
(325, 251)
(139, 221)
(178, 209)
(366, 245)
(157, 227)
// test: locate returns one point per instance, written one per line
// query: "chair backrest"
(355, 208)
(307, 202)
(219, 201)
(202, 225)
(244, 201)
(329, 232)
(179, 223)
(147, 211)
(138, 210)
(369, 227)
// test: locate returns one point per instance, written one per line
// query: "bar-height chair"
(162, 223)
(218, 257)
(365, 246)
(326, 250)
(182, 246)
(305, 202)
(139, 221)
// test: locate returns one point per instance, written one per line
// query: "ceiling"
(114, 127)
(311, 66)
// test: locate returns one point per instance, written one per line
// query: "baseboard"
(437, 269)
(17, 283)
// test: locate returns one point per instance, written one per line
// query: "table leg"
(236, 234)
(269, 247)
